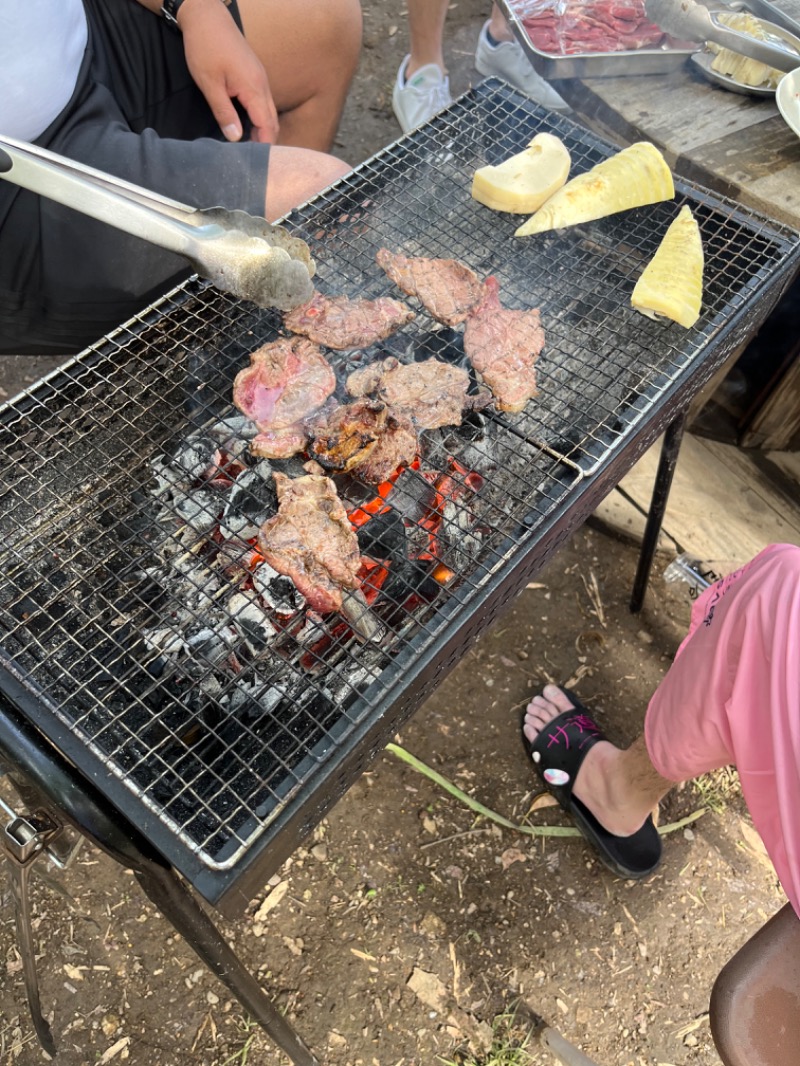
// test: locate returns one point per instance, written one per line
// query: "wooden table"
(736, 145)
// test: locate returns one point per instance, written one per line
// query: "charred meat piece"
(348, 435)
(341, 323)
(503, 346)
(310, 540)
(447, 289)
(367, 438)
(396, 446)
(430, 393)
(286, 382)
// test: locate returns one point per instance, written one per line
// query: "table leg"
(658, 505)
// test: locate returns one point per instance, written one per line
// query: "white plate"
(787, 97)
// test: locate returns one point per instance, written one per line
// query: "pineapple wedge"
(522, 183)
(671, 284)
(635, 176)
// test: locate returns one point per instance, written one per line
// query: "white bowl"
(787, 97)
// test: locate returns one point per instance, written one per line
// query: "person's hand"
(225, 67)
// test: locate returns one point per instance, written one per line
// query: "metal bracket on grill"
(23, 841)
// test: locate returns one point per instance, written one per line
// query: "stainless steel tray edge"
(596, 64)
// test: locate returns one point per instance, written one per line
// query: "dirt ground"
(400, 933)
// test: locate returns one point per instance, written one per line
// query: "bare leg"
(297, 174)
(498, 27)
(620, 788)
(310, 53)
(426, 29)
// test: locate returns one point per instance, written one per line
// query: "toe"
(558, 698)
(543, 709)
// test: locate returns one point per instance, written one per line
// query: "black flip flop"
(557, 754)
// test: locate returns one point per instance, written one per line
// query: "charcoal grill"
(224, 755)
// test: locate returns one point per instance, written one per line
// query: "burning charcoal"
(406, 580)
(197, 457)
(446, 344)
(199, 510)
(364, 624)
(459, 539)
(277, 591)
(251, 501)
(233, 436)
(312, 631)
(293, 467)
(412, 496)
(383, 537)
(208, 646)
(254, 700)
(251, 621)
(165, 641)
(168, 478)
(233, 428)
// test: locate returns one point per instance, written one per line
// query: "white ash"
(278, 591)
(252, 499)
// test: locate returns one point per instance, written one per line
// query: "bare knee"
(296, 175)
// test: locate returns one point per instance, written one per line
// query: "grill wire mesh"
(116, 611)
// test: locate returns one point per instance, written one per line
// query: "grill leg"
(658, 505)
(180, 908)
(38, 766)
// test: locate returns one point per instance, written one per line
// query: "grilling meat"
(448, 289)
(396, 446)
(348, 436)
(310, 540)
(341, 323)
(503, 346)
(430, 393)
(286, 382)
(367, 438)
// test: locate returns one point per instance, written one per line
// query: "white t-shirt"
(41, 49)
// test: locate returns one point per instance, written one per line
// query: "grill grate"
(117, 613)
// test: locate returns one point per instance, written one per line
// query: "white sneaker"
(418, 99)
(508, 61)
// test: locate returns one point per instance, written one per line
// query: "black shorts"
(66, 279)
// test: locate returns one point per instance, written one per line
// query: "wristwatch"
(169, 10)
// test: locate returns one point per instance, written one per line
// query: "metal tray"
(703, 61)
(661, 60)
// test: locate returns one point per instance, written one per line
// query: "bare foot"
(600, 783)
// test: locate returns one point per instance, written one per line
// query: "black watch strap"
(169, 10)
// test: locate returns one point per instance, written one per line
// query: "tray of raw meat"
(593, 38)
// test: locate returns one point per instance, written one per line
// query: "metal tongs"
(241, 254)
(690, 21)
